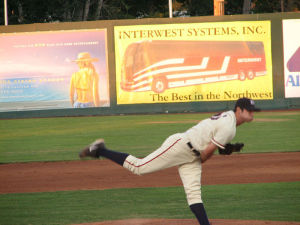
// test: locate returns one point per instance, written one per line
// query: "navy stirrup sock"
(117, 157)
(199, 211)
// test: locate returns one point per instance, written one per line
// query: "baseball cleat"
(93, 150)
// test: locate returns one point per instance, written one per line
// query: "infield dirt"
(75, 175)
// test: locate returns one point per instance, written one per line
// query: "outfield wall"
(277, 88)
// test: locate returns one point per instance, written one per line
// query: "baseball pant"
(173, 152)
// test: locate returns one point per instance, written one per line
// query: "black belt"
(196, 152)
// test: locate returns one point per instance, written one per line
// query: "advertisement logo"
(291, 35)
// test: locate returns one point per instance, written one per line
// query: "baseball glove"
(230, 148)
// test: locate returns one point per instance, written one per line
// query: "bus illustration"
(158, 65)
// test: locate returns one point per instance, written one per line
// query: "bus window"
(256, 48)
(127, 69)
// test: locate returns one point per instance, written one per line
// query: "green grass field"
(270, 201)
(56, 139)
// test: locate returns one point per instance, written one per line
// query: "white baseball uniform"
(177, 150)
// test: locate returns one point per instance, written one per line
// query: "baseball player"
(188, 151)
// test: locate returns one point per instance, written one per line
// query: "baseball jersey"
(220, 129)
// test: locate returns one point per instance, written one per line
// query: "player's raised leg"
(174, 151)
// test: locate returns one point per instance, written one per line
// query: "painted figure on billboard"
(148, 65)
(84, 83)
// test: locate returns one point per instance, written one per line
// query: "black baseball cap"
(246, 103)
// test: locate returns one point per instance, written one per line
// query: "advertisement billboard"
(52, 70)
(193, 62)
(291, 53)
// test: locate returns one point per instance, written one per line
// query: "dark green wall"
(279, 102)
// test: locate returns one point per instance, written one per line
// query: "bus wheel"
(242, 76)
(159, 85)
(251, 75)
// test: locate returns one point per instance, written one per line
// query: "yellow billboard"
(193, 62)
